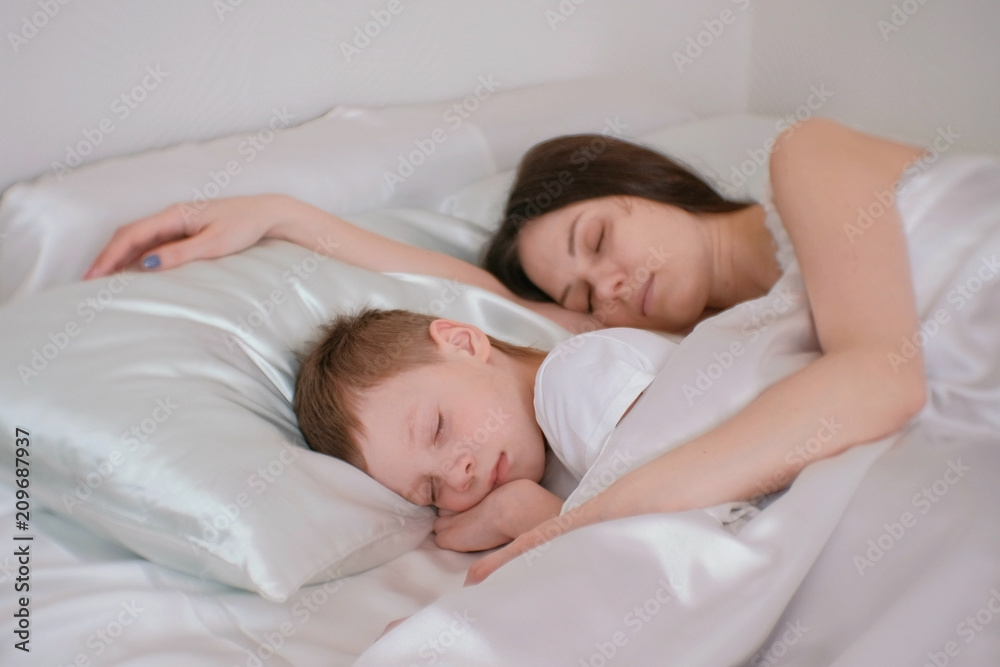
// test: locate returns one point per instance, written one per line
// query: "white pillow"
(731, 152)
(158, 407)
(57, 225)
(349, 160)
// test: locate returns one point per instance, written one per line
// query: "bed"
(184, 557)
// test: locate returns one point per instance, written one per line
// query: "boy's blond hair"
(356, 353)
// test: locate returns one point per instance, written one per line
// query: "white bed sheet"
(95, 603)
(896, 542)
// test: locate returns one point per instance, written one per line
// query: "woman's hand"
(182, 233)
(508, 511)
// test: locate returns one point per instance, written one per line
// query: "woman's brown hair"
(573, 168)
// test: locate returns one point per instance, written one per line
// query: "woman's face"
(448, 433)
(630, 261)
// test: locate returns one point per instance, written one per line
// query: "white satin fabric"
(887, 554)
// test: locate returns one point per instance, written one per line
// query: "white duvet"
(888, 554)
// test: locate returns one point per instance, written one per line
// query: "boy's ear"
(452, 336)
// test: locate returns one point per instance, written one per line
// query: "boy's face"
(448, 433)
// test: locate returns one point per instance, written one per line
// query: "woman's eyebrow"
(572, 235)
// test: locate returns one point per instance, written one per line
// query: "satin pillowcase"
(159, 412)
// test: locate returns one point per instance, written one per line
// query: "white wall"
(227, 70)
(939, 69)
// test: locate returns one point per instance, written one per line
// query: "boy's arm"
(508, 512)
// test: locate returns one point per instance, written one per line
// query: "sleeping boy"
(445, 415)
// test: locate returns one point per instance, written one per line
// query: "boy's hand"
(510, 510)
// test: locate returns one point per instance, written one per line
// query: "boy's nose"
(459, 472)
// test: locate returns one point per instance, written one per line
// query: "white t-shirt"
(586, 385)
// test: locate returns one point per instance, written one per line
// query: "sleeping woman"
(628, 238)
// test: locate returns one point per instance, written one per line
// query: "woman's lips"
(645, 297)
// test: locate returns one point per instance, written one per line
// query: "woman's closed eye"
(597, 250)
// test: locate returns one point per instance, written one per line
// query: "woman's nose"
(609, 282)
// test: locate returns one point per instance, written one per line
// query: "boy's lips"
(500, 471)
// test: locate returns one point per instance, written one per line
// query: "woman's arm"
(183, 233)
(315, 229)
(861, 293)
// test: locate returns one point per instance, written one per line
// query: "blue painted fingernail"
(151, 262)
